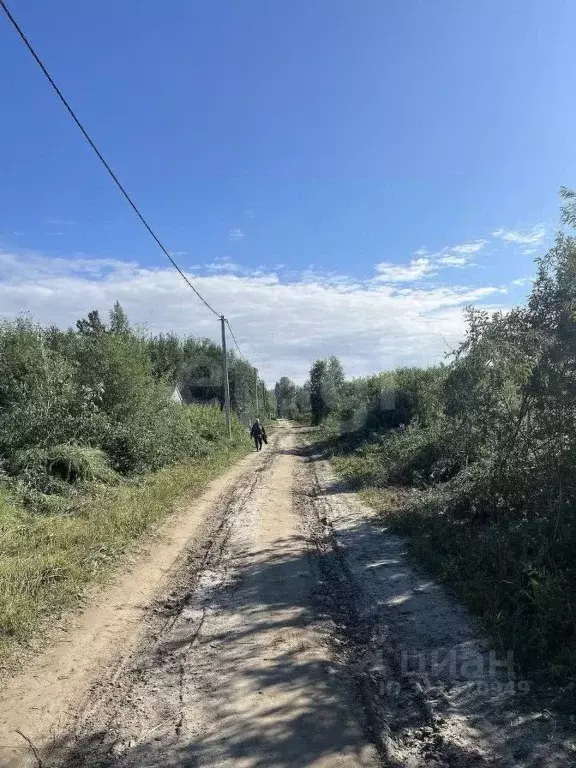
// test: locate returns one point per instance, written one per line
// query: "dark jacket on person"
(257, 430)
(259, 433)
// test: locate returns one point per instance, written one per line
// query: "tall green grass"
(47, 560)
(516, 571)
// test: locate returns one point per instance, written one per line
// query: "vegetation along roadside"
(474, 460)
(94, 451)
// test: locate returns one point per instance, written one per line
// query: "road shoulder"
(434, 691)
(92, 644)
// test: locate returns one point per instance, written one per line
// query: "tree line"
(95, 399)
(317, 398)
(488, 440)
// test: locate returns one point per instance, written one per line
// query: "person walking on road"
(259, 434)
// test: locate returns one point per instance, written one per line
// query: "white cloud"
(404, 273)
(282, 324)
(221, 264)
(469, 248)
(521, 281)
(450, 260)
(456, 256)
(235, 234)
(15, 265)
(525, 240)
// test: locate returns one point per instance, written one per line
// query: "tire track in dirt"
(281, 640)
(432, 690)
(94, 646)
(106, 745)
(234, 668)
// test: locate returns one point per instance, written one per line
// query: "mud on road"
(293, 632)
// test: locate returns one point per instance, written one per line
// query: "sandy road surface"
(289, 631)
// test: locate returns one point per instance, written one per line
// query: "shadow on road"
(313, 704)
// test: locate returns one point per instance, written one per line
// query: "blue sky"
(283, 151)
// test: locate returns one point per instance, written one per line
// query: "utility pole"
(256, 372)
(225, 374)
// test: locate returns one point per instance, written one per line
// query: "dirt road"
(276, 623)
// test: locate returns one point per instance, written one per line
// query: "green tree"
(326, 386)
(119, 319)
(91, 325)
(285, 391)
(270, 406)
(318, 404)
(302, 399)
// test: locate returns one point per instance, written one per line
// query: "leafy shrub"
(207, 423)
(148, 441)
(517, 573)
(100, 389)
(492, 438)
(87, 437)
(42, 403)
(408, 455)
(38, 467)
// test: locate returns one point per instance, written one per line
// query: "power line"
(100, 156)
(233, 337)
(243, 358)
(113, 176)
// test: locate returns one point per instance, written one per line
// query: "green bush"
(410, 455)
(38, 468)
(101, 389)
(491, 438)
(517, 573)
(92, 452)
(47, 560)
(42, 402)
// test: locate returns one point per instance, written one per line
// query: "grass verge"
(46, 561)
(517, 574)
